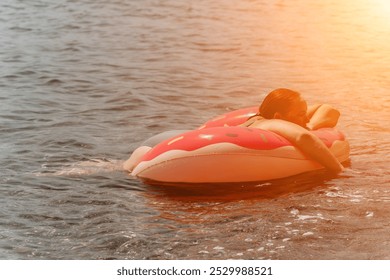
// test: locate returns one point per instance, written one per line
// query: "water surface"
(83, 83)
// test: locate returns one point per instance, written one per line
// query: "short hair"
(278, 100)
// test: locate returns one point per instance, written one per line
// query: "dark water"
(82, 83)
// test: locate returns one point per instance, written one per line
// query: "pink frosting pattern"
(256, 139)
(224, 129)
(232, 118)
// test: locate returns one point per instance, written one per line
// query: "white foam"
(89, 167)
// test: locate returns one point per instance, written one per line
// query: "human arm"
(322, 116)
(308, 143)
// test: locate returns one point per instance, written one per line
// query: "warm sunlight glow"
(381, 9)
(383, 5)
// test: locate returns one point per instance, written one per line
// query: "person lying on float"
(283, 112)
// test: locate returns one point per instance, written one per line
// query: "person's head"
(284, 104)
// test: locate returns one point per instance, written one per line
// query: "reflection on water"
(240, 191)
(83, 83)
(266, 220)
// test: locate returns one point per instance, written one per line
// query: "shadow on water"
(226, 192)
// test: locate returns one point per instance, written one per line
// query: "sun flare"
(381, 8)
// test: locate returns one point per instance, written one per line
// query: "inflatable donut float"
(233, 118)
(222, 152)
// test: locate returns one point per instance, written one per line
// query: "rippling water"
(82, 83)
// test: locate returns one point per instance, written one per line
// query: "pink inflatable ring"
(221, 153)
